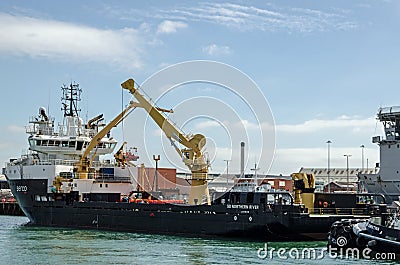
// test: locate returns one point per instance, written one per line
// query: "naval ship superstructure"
(387, 179)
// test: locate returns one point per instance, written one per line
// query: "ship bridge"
(390, 118)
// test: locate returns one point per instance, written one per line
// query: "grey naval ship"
(386, 179)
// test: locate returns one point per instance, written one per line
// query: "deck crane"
(192, 155)
(85, 163)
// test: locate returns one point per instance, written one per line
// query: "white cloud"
(353, 124)
(52, 39)
(16, 129)
(214, 49)
(247, 17)
(207, 124)
(320, 124)
(168, 26)
(289, 160)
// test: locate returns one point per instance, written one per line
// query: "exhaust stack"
(242, 159)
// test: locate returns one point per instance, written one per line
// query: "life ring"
(235, 218)
(250, 219)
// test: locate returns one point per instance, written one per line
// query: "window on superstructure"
(64, 143)
(45, 142)
(101, 185)
(72, 144)
(79, 145)
(57, 143)
(51, 143)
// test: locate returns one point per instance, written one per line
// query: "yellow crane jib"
(192, 155)
(85, 163)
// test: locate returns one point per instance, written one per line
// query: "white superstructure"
(54, 153)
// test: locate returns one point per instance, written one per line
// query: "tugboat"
(378, 234)
(63, 182)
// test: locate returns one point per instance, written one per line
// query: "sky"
(323, 69)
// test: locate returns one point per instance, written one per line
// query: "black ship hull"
(252, 221)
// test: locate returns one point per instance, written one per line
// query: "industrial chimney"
(242, 159)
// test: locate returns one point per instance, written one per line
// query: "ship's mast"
(70, 98)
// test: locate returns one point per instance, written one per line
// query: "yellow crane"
(192, 155)
(85, 163)
(119, 156)
(304, 187)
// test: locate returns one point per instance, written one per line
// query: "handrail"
(338, 211)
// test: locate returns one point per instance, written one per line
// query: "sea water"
(21, 244)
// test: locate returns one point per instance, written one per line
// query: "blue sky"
(325, 67)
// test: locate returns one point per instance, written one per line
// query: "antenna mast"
(71, 95)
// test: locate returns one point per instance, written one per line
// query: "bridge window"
(79, 145)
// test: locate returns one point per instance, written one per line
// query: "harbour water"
(20, 244)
